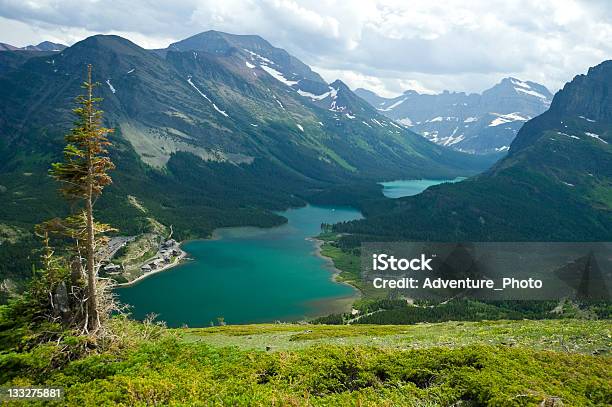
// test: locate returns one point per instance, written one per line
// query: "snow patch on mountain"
(507, 118)
(316, 97)
(257, 56)
(333, 93)
(376, 121)
(431, 135)
(531, 92)
(219, 110)
(334, 106)
(394, 105)
(453, 140)
(567, 135)
(265, 64)
(222, 112)
(277, 75)
(440, 118)
(406, 121)
(279, 102)
(197, 89)
(111, 87)
(595, 136)
(520, 83)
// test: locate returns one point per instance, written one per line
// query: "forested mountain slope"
(555, 183)
(216, 130)
(228, 106)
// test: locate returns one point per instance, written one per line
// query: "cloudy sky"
(384, 45)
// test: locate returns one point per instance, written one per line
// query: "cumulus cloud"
(385, 45)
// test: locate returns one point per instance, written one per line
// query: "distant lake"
(248, 275)
(400, 188)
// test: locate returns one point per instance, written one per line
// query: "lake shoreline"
(239, 250)
(177, 261)
(216, 234)
(230, 263)
(335, 272)
(402, 187)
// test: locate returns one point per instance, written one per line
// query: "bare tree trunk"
(92, 303)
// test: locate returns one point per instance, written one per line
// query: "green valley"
(186, 163)
(199, 223)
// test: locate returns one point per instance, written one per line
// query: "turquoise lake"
(248, 275)
(398, 189)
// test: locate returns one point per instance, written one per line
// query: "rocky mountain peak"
(475, 123)
(587, 95)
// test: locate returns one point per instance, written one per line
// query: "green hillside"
(521, 363)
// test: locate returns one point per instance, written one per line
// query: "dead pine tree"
(84, 174)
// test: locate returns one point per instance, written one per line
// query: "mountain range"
(555, 184)
(475, 123)
(43, 46)
(215, 130)
(224, 130)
